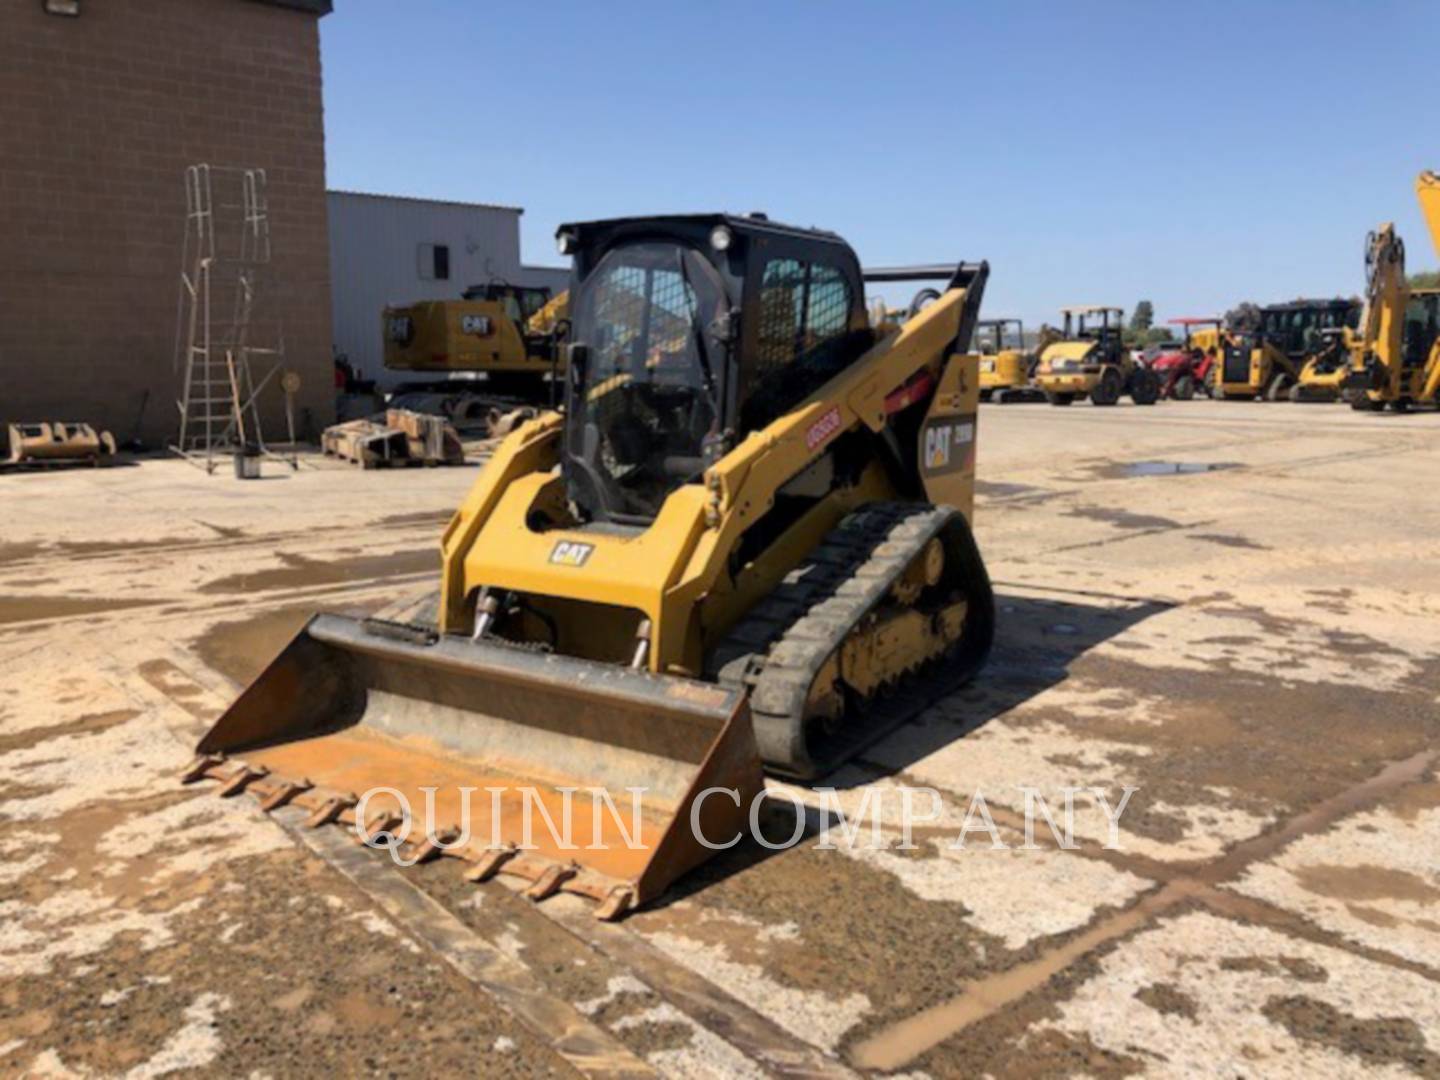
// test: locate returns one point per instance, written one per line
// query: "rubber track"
(778, 648)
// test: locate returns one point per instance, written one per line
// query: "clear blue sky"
(1195, 154)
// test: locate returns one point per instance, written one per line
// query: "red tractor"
(1184, 368)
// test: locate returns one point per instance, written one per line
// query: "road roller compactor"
(743, 544)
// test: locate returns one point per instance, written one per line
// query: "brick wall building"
(100, 113)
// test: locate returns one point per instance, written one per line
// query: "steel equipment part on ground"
(405, 438)
(745, 542)
(56, 443)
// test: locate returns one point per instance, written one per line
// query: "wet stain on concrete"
(240, 649)
(1376, 1041)
(1123, 519)
(1229, 541)
(17, 609)
(19, 552)
(1363, 883)
(225, 532)
(297, 571)
(1174, 468)
(419, 517)
(1168, 1000)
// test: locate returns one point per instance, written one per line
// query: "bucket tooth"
(550, 880)
(489, 863)
(284, 794)
(330, 810)
(433, 846)
(382, 821)
(240, 779)
(616, 904)
(200, 768)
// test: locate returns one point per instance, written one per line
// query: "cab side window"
(802, 337)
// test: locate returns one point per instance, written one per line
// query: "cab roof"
(755, 223)
(1307, 305)
(1090, 309)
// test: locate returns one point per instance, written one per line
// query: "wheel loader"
(1265, 362)
(743, 544)
(1091, 360)
(510, 335)
(1007, 370)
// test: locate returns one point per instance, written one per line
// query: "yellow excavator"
(1396, 360)
(510, 335)
(744, 543)
(1007, 368)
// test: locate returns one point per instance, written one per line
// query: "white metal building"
(390, 249)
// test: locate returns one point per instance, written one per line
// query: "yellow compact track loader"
(745, 542)
(1092, 361)
(509, 335)
(1265, 363)
(1395, 360)
(1006, 369)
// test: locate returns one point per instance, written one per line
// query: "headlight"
(721, 238)
(565, 243)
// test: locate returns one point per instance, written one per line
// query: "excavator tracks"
(781, 647)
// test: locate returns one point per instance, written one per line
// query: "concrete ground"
(1251, 643)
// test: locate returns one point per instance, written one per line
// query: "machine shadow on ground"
(1036, 641)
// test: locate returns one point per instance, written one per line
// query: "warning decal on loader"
(822, 429)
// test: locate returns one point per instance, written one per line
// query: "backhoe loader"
(1395, 360)
(1007, 368)
(743, 544)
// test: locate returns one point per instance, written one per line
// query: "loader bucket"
(541, 742)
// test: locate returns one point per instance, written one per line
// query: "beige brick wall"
(99, 115)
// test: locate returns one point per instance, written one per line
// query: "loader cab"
(1299, 328)
(687, 334)
(994, 336)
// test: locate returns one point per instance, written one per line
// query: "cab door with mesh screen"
(803, 335)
